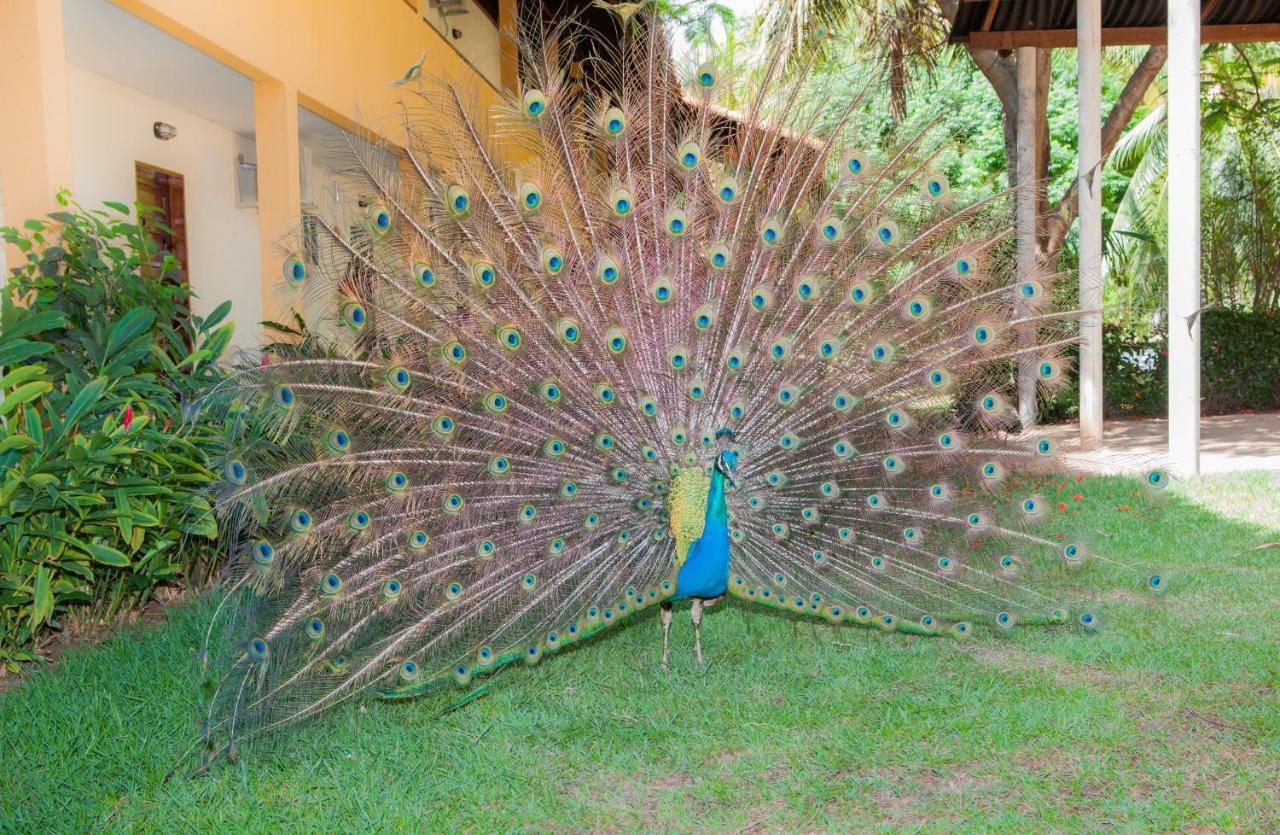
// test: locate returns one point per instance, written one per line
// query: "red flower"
(1062, 505)
(128, 416)
(1078, 497)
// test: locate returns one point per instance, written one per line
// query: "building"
(249, 94)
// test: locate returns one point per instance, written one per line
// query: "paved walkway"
(1228, 443)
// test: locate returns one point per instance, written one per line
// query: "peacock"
(608, 346)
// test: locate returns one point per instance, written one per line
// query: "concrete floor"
(1228, 443)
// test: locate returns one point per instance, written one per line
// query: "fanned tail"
(528, 318)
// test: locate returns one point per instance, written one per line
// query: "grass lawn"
(1167, 717)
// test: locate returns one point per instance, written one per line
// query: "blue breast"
(705, 572)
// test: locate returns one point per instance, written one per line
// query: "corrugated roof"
(1027, 16)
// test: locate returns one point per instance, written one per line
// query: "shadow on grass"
(1165, 718)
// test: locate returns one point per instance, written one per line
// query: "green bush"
(1239, 368)
(102, 478)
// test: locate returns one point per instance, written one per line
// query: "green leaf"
(107, 555)
(84, 400)
(24, 394)
(41, 598)
(132, 325)
(119, 207)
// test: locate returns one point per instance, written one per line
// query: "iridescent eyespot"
(965, 266)
(424, 275)
(771, 233)
(262, 553)
(453, 591)
(1046, 446)
(499, 465)
(568, 490)
(621, 201)
(550, 391)
(553, 448)
(1049, 370)
(418, 540)
(443, 425)
(605, 395)
(569, 331)
(330, 584)
(483, 274)
(689, 155)
(661, 291)
(614, 122)
(860, 293)
(831, 229)
(454, 352)
(607, 270)
(1030, 291)
(761, 298)
(881, 352)
(897, 419)
(379, 219)
(983, 334)
(258, 650)
(353, 315)
(530, 197)
(706, 75)
(300, 520)
(527, 513)
(396, 482)
(885, 233)
(295, 272)
(458, 200)
(939, 378)
(676, 222)
(235, 472)
(809, 288)
(856, 163)
(528, 582)
(397, 377)
(935, 186)
(485, 549)
(496, 402)
(780, 348)
(1073, 553)
(314, 629)
(391, 589)
(552, 260)
(1157, 479)
(727, 189)
(615, 339)
(1089, 621)
(534, 104)
(704, 318)
(648, 406)
(719, 256)
(1004, 620)
(357, 520)
(678, 357)
(919, 308)
(843, 449)
(452, 503)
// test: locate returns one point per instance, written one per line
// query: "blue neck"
(717, 508)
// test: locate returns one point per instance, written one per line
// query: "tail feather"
(528, 319)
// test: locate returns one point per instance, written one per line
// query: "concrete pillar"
(1184, 236)
(275, 119)
(35, 141)
(1025, 216)
(1089, 59)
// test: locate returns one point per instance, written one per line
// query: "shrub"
(1239, 368)
(101, 476)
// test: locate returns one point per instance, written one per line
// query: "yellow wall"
(334, 57)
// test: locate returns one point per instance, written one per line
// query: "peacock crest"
(532, 321)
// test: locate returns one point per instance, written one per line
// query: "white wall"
(111, 130)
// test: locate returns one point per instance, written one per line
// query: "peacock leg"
(696, 613)
(666, 634)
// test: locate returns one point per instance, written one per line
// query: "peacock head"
(727, 459)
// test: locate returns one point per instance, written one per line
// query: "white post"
(1184, 236)
(1025, 211)
(1089, 119)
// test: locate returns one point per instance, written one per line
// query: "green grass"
(1168, 717)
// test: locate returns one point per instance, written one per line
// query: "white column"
(1089, 121)
(1025, 210)
(1184, 236)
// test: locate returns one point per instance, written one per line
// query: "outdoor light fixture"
(164, 131)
